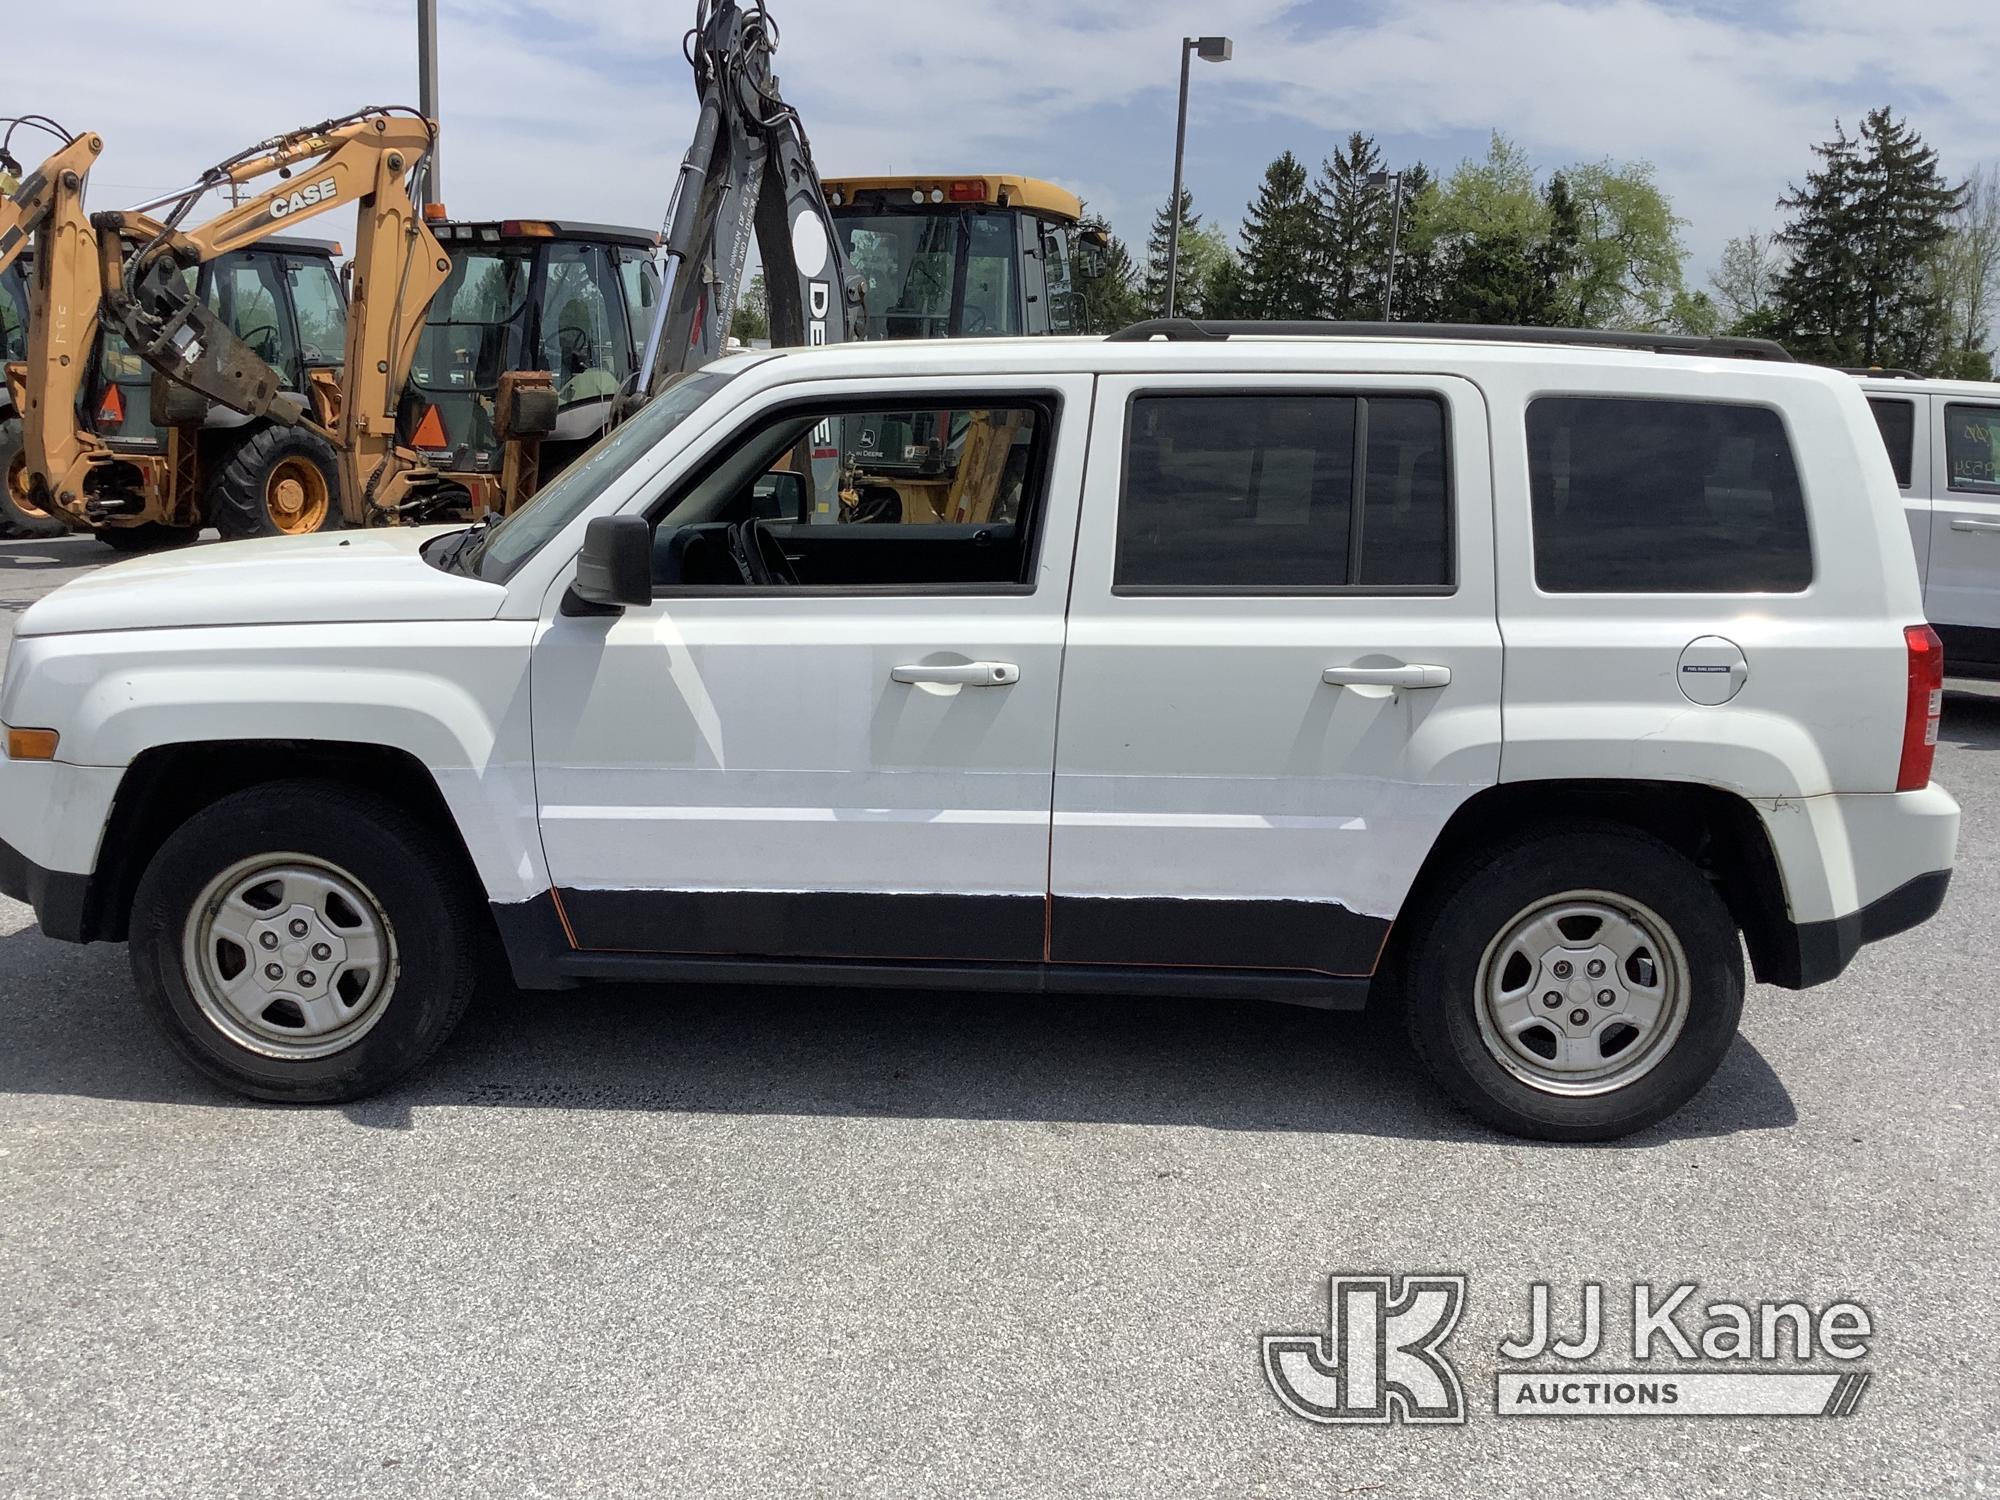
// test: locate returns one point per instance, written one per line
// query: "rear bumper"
(1855, 869)
(1824, 949)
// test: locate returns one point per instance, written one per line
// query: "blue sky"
(583, 107)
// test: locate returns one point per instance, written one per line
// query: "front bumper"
(59, 897)
(52, 819)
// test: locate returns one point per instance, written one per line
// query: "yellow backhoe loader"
(366, 160)
(78, 405)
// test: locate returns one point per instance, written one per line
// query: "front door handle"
(1395, 677)
(970, 674)
(1968, 523)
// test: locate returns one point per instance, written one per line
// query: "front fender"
(451, 694)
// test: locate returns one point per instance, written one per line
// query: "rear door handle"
(971, 674)
(1395, 677)
(1968, 523)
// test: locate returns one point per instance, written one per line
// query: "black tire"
(431, 916)
(244, 497)
(19, 516)
(1475, 907)
(147, 536)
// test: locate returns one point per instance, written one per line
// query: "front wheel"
(278, 481)
(304, 942)
(1576, 986)
(21, 514)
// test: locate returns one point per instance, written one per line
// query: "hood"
(375, 574)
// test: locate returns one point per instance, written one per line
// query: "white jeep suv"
(1943, 438)
(1540, 673)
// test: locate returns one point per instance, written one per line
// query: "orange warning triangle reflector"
(430, 431)
(111, 413)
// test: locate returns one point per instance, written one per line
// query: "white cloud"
(581, 108)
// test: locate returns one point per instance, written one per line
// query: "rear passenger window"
(1898, 422)
(1670, 497)
(1972, 447)
(1256, 494)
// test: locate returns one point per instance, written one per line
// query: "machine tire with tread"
(18, 515)
(278, 481)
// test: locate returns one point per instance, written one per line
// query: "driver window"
(250, 300)
(585, 341)
(322, 312)
(943, 496)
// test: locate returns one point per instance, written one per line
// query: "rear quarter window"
(1897, 421)
(1634, 496)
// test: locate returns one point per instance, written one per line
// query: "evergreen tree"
(1110, 300)
(1864, 232)
(1354, 217)
(1903, 210)
(1224, 289)
(1494, 278)
(1557, 260)
(1419, 259)
(1280, 239)
(1187, 280)
(1820, 289)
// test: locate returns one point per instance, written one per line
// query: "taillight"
(1924, 708)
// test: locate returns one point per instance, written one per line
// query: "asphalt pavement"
(710, 1242)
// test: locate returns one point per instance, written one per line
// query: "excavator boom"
(749, 171)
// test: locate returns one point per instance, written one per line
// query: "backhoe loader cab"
(953, 257)
(571, 299)
(962, 257)
(282, 297)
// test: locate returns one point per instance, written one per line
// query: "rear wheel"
(301, 941)
(278, 481)
(17, 511)
(1577, 986)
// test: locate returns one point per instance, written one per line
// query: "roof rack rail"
(1881, 372)
(1191, 330)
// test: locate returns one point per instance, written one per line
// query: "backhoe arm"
(366, 160)
(749, 170)
(26, 207)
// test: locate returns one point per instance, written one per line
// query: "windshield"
(474, 333)
(936, 273)
(13, 313)
(514, 540)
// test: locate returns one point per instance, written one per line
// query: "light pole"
(1394, 182)
(430, 189)
(1208, 49)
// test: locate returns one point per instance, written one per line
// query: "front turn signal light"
(31, 744)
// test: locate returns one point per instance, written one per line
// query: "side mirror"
(779, 496)
(615, 569)
(1093, 253)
